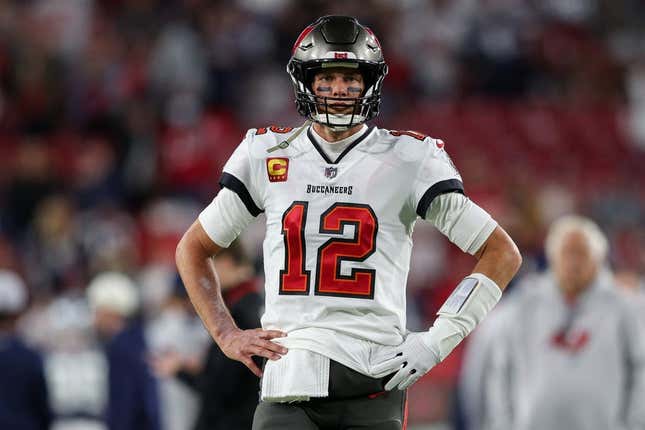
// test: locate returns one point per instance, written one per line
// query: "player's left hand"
(410, 360)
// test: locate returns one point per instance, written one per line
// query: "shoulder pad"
(273, 129)
(418, 137)
(266, 140)
(409, 145)
(413, 134)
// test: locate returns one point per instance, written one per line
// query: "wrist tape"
(468, 304)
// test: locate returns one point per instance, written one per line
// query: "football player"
(341, 199)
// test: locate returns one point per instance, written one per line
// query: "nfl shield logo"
(330, 172)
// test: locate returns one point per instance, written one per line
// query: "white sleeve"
(463, 222)
(225, 218)
(437, 175)
(238, 175)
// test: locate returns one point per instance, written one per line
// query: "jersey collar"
(314, 142)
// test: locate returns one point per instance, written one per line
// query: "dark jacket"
(133, 399)
(228, 390)
(23, 391)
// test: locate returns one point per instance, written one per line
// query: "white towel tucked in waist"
(298, 376)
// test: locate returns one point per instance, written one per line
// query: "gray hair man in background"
(571, 354)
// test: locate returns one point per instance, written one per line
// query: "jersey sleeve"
(435, 176)
(238, 176)
(463, 222)
(224, 219)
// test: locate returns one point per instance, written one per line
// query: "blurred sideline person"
(133, 402)
(632, 284)
(24, 400)
(477, 359)
(172, 328)
(227, 390)
(570, 353)
(341, 200)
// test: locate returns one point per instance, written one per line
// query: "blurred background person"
(471, 398)
(75, 364)
(632, 284)
(133, 401)
(571, 351)
(228, 391)
(24, 400)
(172, 328)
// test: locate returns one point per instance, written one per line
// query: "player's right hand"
(241, 345)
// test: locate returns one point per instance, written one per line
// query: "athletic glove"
(468, 304)
(413, 359)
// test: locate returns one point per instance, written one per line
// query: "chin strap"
(285, 143)
(324, 119)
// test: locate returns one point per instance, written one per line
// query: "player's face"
(339, 83)
(575, 265)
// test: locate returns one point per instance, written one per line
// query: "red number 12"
(294, 279)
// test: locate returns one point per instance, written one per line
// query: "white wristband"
(468, 304)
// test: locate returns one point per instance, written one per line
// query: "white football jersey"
(339, 232)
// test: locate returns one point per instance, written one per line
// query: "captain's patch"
(277, 169)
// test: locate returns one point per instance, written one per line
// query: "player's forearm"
(499, 258)
(466, 307)
(200, 279)
(478, 293)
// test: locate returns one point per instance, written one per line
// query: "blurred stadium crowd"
(116, 118)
